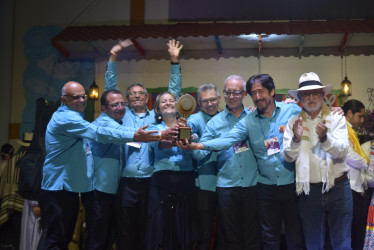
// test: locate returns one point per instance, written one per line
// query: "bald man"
(68, 166)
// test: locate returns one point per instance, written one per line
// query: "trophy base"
(184, 133)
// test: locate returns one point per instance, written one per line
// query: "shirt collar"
(134, 113)
(278, 106)
(65, 107)
(227, 112)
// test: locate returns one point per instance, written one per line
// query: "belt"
(341, 178)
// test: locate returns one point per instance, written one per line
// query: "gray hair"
(136, 84)
(236, 77)
(205, 87)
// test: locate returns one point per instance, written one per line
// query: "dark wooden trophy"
(186, 105)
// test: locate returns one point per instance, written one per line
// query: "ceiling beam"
(138, 47)
(301, 46)
(219, 47)
(259, 44)
(343, 42)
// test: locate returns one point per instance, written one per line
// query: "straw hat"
(310, 81)
(186, 104)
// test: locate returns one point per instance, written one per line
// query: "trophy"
(186, 105)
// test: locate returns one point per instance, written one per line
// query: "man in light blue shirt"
(237, 173)
(68, 166)
(138, 161)
(208, 99)
(264, 128)
(99, 204)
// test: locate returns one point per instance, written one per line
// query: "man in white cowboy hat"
(317, 140)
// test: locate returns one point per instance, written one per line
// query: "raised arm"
(111, 78)
(175, 81)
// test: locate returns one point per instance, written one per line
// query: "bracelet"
(113, 53)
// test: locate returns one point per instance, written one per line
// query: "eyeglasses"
(133, 93)
(235, 93)
(77, 97)
(212, 100)
(118, 104)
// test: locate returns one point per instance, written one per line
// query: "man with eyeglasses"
(68, 168)
(100, 203)
(208, 98)
(274, 200)
(317, 141)
(237, 173)
(133, 191)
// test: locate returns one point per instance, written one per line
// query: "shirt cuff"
(112, 66)
(175, 68)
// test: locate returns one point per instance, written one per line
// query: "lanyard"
(262, 130)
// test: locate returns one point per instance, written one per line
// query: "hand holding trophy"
(186, 105)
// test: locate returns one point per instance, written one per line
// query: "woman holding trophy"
(172, 189)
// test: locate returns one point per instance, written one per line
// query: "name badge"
(134, 144)
(272, 146)
(240, 147)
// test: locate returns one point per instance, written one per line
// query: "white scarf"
(302, 163)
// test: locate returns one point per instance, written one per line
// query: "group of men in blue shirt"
(252, 185)
(68, 168)
(254, 190)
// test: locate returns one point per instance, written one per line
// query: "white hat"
(27, 138)
(309, 81)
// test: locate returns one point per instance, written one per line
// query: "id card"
(134, 144)
(240, 147)
(272, 146)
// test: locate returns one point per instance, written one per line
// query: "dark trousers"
(132, 212)
(361, 205)
(278, 204)
(59, 213)
(238, 217)
(100, 219)
(206, 207)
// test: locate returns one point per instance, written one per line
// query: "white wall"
(284, 70)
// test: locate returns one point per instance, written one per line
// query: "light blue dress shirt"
(274, 170)
(69, 164)
(234, 169)
(106, 158)
(174, 159)
(139, 161)
(206, 170)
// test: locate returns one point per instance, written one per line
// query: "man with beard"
(276, 198)
(317, 141)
